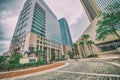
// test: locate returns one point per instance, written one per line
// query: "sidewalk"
(30, 70)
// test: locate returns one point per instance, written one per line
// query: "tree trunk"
(82, 51)
(87, 46)
(115, 32)
(91, 49)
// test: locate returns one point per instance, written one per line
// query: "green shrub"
(92, 55)
(2, 59)
(13, 66)
(30, 64)
(63, 56)
(71, 55)
(1, 67)
(15, 58)
(53, 56)
(41, 62)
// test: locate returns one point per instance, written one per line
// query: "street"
(82, 70)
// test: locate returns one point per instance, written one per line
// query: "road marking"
(113, 63)
(95, 74)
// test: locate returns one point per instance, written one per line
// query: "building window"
(111, 45)
(32, 60)
(40, 42)
(37, 41)
(37, 47)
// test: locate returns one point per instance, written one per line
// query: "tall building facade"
(111, 44)
(90, 8)
(102, 4)
(66, 37)
(37, 27)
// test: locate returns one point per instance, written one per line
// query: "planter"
(118, 49)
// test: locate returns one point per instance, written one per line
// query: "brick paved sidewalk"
(30, 70)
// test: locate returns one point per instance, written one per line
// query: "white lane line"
(113, 63)
(107, 75)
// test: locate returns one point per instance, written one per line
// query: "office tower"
(90, 8)
(102, 4)
(37, 27)
(66, 37)
(65, 34)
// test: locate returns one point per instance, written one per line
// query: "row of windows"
(25, 11)
(38, 33)
(37, 24)
(40, 12)
(104, 3)
(107, 46)
(21, 33)
(38, 29)
(26, 6)
(24, 16)
(38, 47)
(38, 21)
(38, 6)
(39, 15)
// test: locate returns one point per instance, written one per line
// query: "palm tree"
(75, 48)
(90, 43)
(81, 43)
(85, 37)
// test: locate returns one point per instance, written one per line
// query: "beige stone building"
(111, 44)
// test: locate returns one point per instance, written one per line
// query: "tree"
(90, 43)
(70, 54)
(15, 58)
(75, 48)
(2, 59)
(85, 37)
(108, 22)
(82, 49)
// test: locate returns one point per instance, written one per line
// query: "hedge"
(13, 66)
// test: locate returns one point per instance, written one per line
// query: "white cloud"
(4, 46)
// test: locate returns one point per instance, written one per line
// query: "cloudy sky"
(72, 10)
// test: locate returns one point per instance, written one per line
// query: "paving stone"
(97, 67)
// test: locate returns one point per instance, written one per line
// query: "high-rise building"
(65, 32)
(102, 4)
(66, 37)
(90, 8)
(37, 27)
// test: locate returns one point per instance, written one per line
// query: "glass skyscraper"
(38, 27)
(102, 4)
(66, 37)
